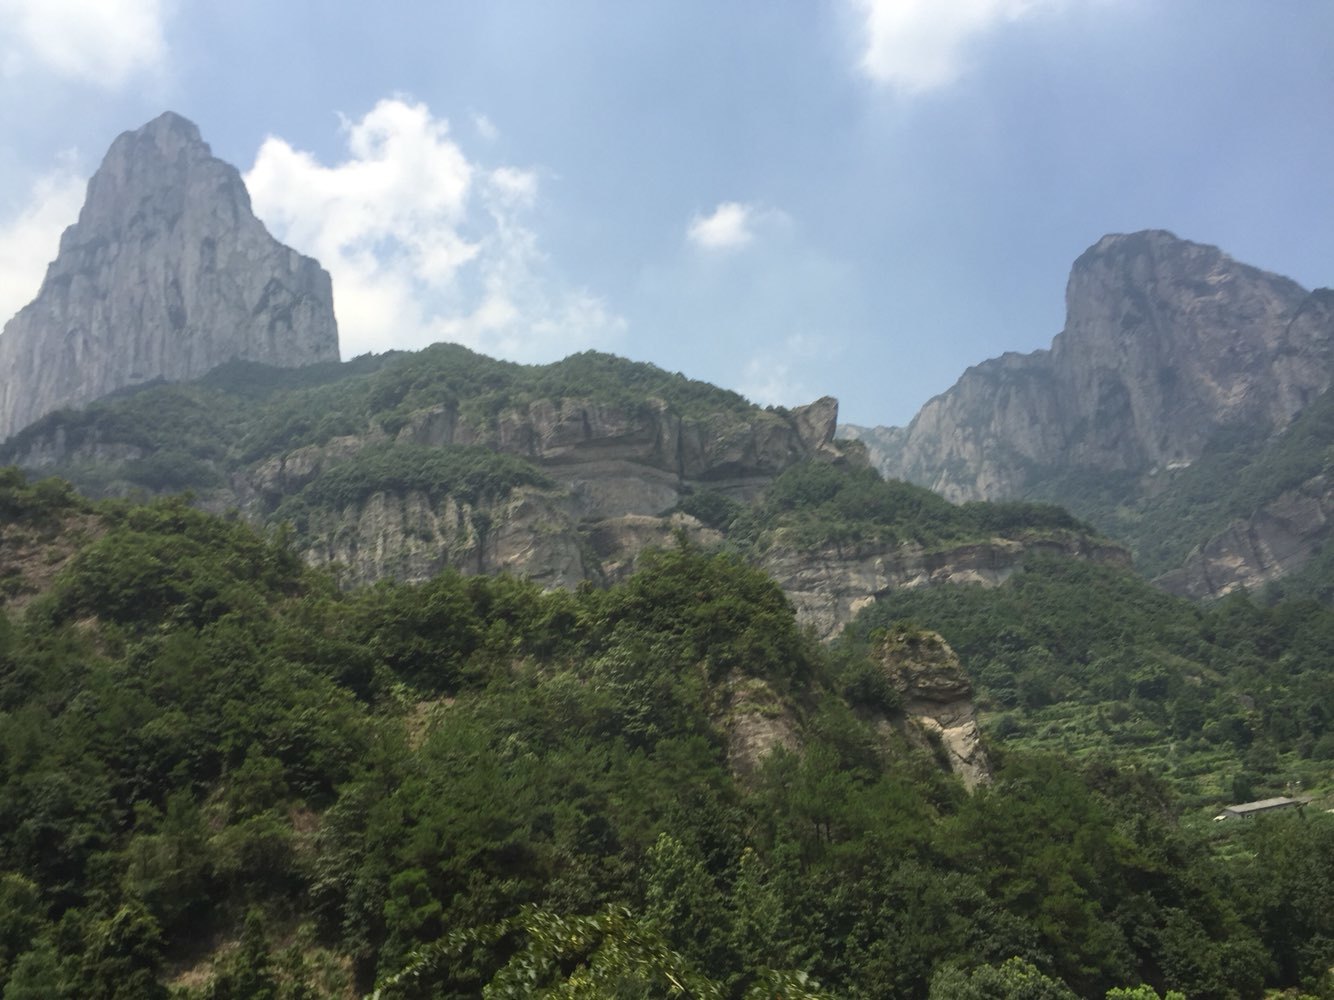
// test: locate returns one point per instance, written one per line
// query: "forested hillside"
(1229, 701)
(193, 435)
(224, 777)
(402, 466)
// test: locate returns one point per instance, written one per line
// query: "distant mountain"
(1173, 355)
(166, 274)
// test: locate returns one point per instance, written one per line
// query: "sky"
(857, 198)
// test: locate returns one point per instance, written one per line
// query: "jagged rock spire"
(167, 274)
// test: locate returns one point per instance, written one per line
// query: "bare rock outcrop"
(412, 537)
(166, 275)
(615, 471)
(721, 448)
(1277, 539)
(756, 723)
(830, 586)
(1165, 342)
(937, 701)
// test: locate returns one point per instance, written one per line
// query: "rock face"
(937, 701)
(829, 587)
(1165, 342)
(615, 470)
(166, 275)
(755, 722)
(408, 536)
(1274, 541)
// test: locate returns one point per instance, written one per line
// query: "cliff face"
(1165, 342)
(1279, 538)
(166, 274)
(828, 588)
(628, 459)
(614, 470)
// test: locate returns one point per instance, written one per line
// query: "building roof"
(1262, 804)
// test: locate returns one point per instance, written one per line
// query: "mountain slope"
(222, 776)
(400, 466)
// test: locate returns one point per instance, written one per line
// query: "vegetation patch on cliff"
(471, 474)
(814, 505)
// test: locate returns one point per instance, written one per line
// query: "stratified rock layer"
(1165, 342)
(829, 586)
(166, 275)
(615, 469)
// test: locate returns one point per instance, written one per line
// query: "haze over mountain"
(167, 274)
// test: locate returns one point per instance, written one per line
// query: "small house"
(1246, 810)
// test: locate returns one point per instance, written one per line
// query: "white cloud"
(28, 242)
(918, 45)
(772, 379)
(514, 187)
(729, 227)
(485, 127)
(104, 42)
(424, 244)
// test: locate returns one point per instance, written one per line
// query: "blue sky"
(849, 197)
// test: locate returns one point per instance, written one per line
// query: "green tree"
(1016, 979)
(123, 957)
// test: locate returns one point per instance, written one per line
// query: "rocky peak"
(163, 160)
(1178, 338)
(816, 423)
(1165, 342)
(166, 274)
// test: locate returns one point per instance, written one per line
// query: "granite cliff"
(1165, 342)
(166, 274)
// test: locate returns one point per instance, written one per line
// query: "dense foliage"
(220, 777)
